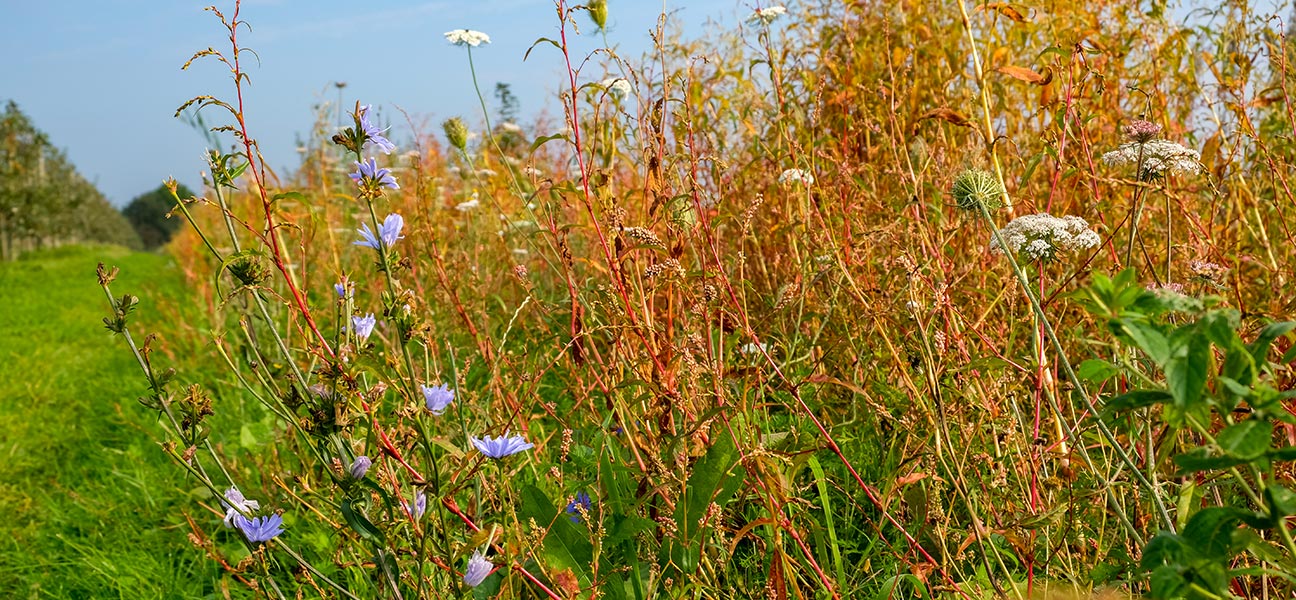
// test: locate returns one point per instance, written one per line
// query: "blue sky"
(103, 77)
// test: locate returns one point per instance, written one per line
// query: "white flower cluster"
(796, 176)
(618, 87)
(467, 37)
(765, 16)
(1042, 236)
(1159, 157)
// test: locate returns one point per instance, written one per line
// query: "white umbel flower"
(467, 37)
(765, 16)
(792, 176)
(1042, 237)
(618, 87)
(1159, 157)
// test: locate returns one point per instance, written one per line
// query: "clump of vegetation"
(851, 301)
(44, 202)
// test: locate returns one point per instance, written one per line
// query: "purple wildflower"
(418, 506)
(260, 529)
(502, 446)
(359, 467)
(341, 289)
(388, 233)
(438, 398)
(579, 505)
(370, 173)
(235, 504)
(364, 326)
(478, 569)
(372, 133)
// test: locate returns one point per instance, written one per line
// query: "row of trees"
(45, 202)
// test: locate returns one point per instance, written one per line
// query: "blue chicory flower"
(388, 233)
(478, 569)
(502, 446)
(369, 172)
(438, 398)
(364, 326)
(341, 289)
(260, 529)
(234, 502)
(359, 467)
(372, 133)
(582, 500)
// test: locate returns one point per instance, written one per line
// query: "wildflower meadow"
(907, 299)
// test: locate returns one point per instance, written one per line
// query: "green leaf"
(1246, 440)
(1210, 531)
(1096, 370)
(1201, 460)
(1187, 367)
(710, 482)
(1284, 453)
(1167, 582)
(544, 139)
(1147, 338)
(361, 524)
(564, 546)
(1260, 347)
(1282, 501)
(1138, 399)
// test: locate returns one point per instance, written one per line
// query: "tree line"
(45, 202)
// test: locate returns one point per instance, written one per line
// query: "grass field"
(92, 507)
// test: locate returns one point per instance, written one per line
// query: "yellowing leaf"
(1027, 75)
(1004, 9)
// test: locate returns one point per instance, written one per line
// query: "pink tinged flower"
(388, 233)
(364, 326)
(369, 173)
(418, 506)
(372, 134)
(235, 505)
(438, 398)
(478, 569)
(502, 446)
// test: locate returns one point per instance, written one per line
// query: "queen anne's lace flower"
(765, 16)
(618, 87)
(1042, 237)
(467, 37)
(791, 176)
(1159, 157)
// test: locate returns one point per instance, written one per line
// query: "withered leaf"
(1004, 9)
(1027, 75)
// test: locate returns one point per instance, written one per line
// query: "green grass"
(91, 505)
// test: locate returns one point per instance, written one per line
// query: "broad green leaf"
(1138, 399)
(1210, 531)
(361, 524)
(564, 546)
(710, 482)
(1246, 440)
(1200, 460)
(1188, 365)
(1282, 501)
(1144, 336)
(1096, 370)
(1260, 347)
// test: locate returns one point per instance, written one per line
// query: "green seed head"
(975, 188)
(598, 12)
(456, 132)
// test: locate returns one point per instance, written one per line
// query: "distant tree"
(43, 200)
(508, 102)
(147, 213)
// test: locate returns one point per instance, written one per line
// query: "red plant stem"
(795, 388)
(387, 445)
(258, 178)
(613, 266)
